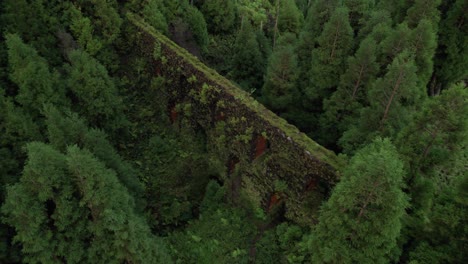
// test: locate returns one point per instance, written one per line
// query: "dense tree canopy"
(104, 160)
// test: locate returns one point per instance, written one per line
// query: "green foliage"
(88, 218)
(423, 9)
(359, 11)
(36, 21)
(198, 26)
(30, 72)
(393, 100)
(82, 28)
(68, 129)
(431, 145)
(104, 16)
(328, 60)
(289, 17)
(438, 131)
(154, 16)
(219, 15)
(247, 63)
(377, 25)
(343, 107)
(452, 56)
(95, 94)
(318, 14)
(444, 236)
(355, 69)
(220, 233)
(423, 45)
(395, 42)
(280, 89)
(256, 12)
(362, 219)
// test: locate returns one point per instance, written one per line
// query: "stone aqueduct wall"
(266, 158)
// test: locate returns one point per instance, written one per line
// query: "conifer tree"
(197, 25)
(105, 18)
(82, 28)
(280, 89)
(289, 17)
(219, 15)
(397, 8)
(451, 62)
(392, 99)
(358, 11)
(247, 64)
(423, 44)
(30, 72)
(431, 145)
(68, 129)
(154, 16)
(396, 41)
(328, 60)
(94, 93)
(444, 235)
(377, 25)
(361, 221)
(318, 14)
(342, 108)
(71, 208)
(423, 9)
(36, 23)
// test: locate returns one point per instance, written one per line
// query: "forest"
(100, 164)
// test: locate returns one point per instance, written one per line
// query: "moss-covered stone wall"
(267, 161)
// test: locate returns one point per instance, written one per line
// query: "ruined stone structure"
(270, 161)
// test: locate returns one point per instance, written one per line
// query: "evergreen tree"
(94, 93)
(342, 108)
(197, 25)
(36, 22)
(431, 145)
(358, 11)
(396, 41)
(219, 14)
(68, 129)
(247, 64)
(397, 8)
(392, 99)
(438, 132)
(30, 72)
(154, 16)
(444, 235)
(258, 12)
(361, 221)
(377, 24)
(423, 44)
(423, 9)
(451, 62)
(289, 17)
(83, 29)
(99, 27)
(105, 18)
(280, 89)
(319, 13)
(71, 208)
(328, 60)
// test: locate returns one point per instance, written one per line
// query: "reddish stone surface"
(274, 200)
(220, 116)
(311, 185)
(260, 146)
(173, 114)
(158, 71)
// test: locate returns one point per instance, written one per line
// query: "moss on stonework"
(233, 121)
